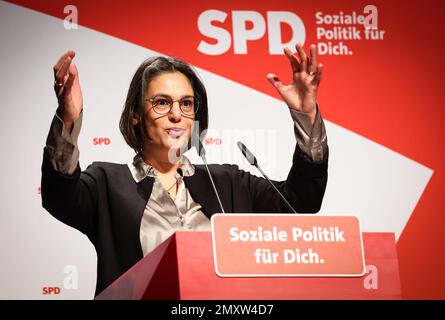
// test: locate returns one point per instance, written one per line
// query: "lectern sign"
(287, 245)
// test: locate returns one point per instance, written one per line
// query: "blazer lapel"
(200, 188)
(145, 188)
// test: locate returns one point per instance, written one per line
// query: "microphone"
(202, 153)
(253, 161)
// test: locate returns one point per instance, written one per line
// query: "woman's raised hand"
(301, 94)
(67, 88)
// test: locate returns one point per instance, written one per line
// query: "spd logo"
(101, 141)
(212, 141)
(248, 26)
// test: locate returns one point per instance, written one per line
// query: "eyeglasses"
(163, 105)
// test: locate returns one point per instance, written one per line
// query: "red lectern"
(182, 267)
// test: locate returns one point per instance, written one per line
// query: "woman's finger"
(312, 65)
(62, 72)
(317, 77)
(294, 63)
(69, 82)
(72, 74)
(62, 59)
(275, 81)
(73, 69)
(59, 63)
(60, 85)
(303, 57)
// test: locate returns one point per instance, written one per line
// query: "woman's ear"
(135, 120)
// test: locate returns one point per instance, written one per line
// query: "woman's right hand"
(67, 88)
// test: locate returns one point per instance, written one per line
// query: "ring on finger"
(311, 73)
(58, 84)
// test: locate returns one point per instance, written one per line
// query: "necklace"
(175, 183)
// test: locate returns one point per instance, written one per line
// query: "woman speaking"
(128, 210)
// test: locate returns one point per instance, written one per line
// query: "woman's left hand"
(301, 94)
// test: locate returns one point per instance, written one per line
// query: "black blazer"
(105, 203)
